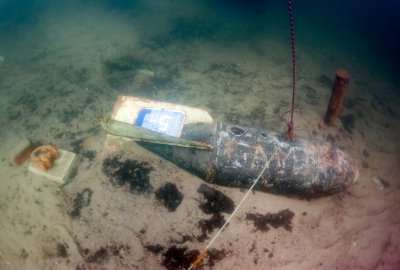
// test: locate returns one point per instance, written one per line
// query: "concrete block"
(61, 170)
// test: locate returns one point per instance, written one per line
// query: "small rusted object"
(22, 156)
(20, 153)
(337, 97)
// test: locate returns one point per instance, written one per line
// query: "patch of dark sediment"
(129, 172)
(263, 222)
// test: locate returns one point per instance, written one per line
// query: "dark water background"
(59, 52)
(366, 30)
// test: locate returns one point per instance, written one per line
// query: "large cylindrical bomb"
(238, 155)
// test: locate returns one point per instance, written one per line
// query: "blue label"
(163, 121)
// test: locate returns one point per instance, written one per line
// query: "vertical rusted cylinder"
(338, 92)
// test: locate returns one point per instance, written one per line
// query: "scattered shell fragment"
(146, 72)
(381, 184)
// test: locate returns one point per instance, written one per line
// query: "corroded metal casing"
(299, 168)
(337, 97)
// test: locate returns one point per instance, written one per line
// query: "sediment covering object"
(300, 168)
(238, 155)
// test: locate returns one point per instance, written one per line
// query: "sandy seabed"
(67, 69)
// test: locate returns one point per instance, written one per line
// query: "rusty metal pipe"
(337, 97)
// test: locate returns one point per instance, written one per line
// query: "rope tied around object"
(290, 135)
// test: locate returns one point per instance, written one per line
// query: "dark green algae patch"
(129, 172)
(136, 175)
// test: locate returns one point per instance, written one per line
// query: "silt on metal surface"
(299, 168)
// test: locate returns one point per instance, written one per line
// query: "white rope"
(233, 214)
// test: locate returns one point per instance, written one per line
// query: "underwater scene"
(214, 134)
